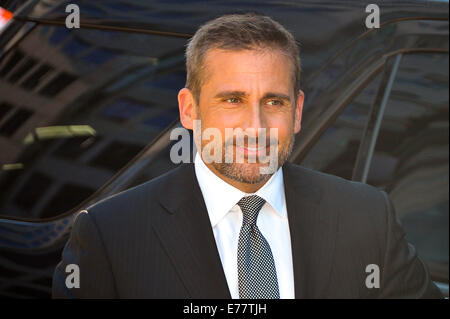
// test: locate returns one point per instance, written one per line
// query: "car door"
(389, 128)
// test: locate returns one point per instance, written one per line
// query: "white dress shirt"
(226, 220)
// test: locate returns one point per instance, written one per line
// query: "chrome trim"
(443, 287)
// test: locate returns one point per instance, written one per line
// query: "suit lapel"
(313, 232)
(186, 234)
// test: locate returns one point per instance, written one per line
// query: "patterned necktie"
(256, 269)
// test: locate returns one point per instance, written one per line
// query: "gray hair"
(238, 32)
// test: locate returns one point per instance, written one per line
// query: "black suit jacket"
(155, 241)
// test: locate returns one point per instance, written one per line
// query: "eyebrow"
(230, 93)
(268, 95)
(281, 96)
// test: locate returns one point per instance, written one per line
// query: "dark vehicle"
(86, 113)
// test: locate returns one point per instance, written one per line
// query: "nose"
(254, 117)
(252, 122)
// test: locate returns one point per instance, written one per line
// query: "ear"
(298, 112)
(186, 105)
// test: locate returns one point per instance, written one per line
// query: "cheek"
(221, 119)
(284, 136)
(283, 124)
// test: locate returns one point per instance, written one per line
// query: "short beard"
(250, 173)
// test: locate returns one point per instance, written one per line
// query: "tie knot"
(250, 206)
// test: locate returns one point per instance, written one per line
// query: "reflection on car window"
(336, 150)
(411, 156)
(77, 109)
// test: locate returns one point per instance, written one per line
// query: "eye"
(232, 100)
(275, 102)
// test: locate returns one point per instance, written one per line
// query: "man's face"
(248, 89)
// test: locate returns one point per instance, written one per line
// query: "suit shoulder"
(335, 185)
(359, 208)
(135, 199)
(352, 201)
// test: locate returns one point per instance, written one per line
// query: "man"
(229, 229)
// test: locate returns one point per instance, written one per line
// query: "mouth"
(253, 151)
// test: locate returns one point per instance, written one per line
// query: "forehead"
(231, 69)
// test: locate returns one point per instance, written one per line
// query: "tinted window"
(411, 155)
(336, 150)
(79, 108)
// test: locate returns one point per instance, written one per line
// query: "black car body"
(86, 113)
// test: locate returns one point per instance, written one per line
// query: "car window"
(75, 107)
(336, 150)
(411, 156)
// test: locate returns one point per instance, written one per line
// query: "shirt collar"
(220, 197)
